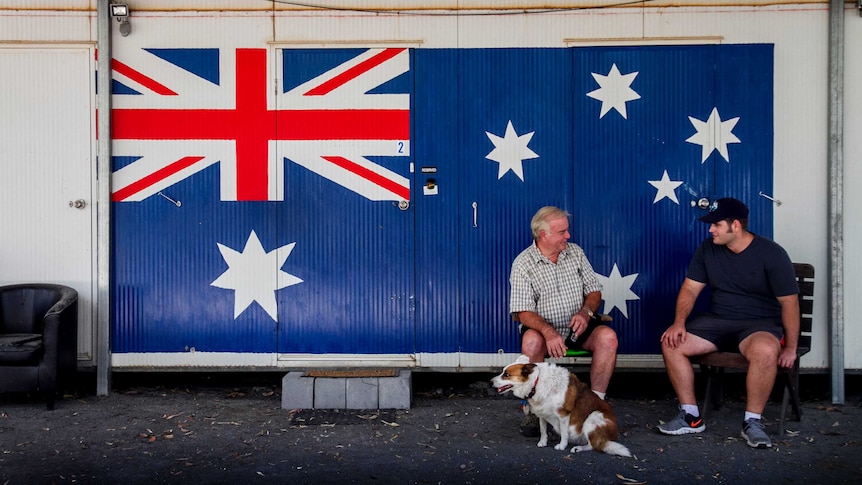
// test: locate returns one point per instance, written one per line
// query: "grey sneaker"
(683, 423)
(755, 435)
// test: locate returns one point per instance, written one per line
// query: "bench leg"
(714, 388)
(791, 396)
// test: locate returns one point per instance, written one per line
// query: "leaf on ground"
(830, 409)
(387, 423)
(631, 481)
(172, 416)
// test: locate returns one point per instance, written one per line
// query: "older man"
(554, 293)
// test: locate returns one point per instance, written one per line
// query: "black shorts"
(594, 322)
(727, 334)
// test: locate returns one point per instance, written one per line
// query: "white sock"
(750, 415)
(600, 394)
(690, 409)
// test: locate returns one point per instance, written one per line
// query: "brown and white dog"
(558, 397)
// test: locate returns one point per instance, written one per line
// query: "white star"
(510, 151)
(666, 188)
(250, 274)
(615, 90)
(713, 134)
(617, 290)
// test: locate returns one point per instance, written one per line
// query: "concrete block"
(330, 393)
(395, 392)
(362, 393)
(297, 392)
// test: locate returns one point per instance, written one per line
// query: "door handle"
(78, 204)
(475, 214)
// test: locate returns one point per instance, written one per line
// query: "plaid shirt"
(555, 291)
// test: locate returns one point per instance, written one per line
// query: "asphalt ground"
(230, 428)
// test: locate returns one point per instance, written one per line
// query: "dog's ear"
(528, 369)
(523, 359)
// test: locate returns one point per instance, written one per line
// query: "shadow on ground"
(229, 427)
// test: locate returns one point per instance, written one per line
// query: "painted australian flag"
(370, 201)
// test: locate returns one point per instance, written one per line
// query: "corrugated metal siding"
(464, 252)
(621, 224)
(797, 30)
(356, 257)
(165, 260)
(439, 221)
(529, 88)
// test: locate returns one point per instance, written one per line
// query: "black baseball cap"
(726, 208)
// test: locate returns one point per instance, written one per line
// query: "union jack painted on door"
(232, 175)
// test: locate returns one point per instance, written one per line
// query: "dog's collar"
(536, 383)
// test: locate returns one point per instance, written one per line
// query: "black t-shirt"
(744, 285)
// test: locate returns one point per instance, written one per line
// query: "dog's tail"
(614, 448)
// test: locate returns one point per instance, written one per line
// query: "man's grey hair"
(542, 218)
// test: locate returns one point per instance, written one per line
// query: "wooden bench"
(713, 365)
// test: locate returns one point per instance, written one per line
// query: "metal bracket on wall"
(770, 198)
(172, 201)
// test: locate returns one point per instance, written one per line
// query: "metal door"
(46, 173)
(344, 145)
(660, 132)
(492, 142)
(261, 218)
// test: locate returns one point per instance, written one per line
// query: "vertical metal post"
(835, 154)
(103, 212)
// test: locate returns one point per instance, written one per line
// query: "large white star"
(614, 91)
(713, 134)
(255, 275)
(510, 151)
(666, 188)
(616, 290)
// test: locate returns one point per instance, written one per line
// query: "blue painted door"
(492, 137)
(658, 130)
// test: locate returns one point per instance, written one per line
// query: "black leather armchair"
(38, 338)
